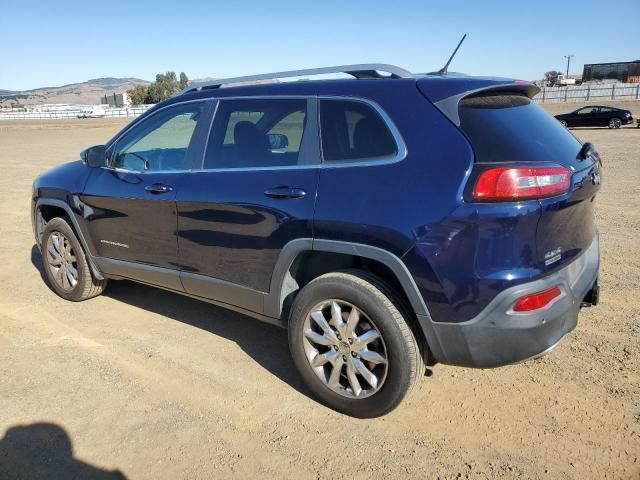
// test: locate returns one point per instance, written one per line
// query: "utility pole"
(568, 57)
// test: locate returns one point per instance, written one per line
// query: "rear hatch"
(507, 129)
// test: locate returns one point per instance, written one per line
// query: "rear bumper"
(497, 337)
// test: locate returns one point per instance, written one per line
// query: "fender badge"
(115, 244)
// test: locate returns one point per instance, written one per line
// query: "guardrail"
(582, 93)
(108, 113)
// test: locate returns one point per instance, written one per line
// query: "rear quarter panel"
(389, 205)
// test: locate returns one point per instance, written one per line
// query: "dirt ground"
(147, 384)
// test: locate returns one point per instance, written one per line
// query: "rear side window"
(261, 133)
(511, 128)
(353, 130)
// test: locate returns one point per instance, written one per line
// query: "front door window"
(161, 142)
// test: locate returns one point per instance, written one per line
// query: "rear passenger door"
(255, 192)
(359, 197)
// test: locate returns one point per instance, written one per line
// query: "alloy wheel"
(61, 261)
(345, 349)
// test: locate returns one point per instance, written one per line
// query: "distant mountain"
(85, 93)
(116, 82)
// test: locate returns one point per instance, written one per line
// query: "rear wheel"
(615, 123)
(66, 265)
(352, 345)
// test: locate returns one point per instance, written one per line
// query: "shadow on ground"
(623, 127)
(264, 343)
(38, 262)
(45, 451)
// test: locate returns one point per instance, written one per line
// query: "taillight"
(518, 183)
(536, 301)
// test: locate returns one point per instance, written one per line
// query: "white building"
(116, 100)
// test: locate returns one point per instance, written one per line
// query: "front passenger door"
(586, 117)
(129, 205)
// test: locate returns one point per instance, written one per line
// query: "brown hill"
(85, 93)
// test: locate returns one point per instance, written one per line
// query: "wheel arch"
(302, 260)
(343, 253)
(49, 208)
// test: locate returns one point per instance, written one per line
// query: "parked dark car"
(387, 221)
(596, 116)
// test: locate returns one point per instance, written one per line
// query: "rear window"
(512, 128)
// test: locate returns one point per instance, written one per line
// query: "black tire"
(376, 301)
(615, 123)
(564, 123)
(86, 285)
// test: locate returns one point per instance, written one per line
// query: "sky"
(59, 42)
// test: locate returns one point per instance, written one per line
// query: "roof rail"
(360, 71)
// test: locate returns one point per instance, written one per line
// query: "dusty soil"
(155, 385)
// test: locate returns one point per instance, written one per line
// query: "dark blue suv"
(388, 221)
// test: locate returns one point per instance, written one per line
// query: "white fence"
(581, 93)
(108, 113)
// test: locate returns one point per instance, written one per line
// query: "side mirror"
(95, 156)
(277, 141)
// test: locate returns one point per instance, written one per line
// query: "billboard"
(627, 72)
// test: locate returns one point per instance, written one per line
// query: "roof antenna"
(443, 70)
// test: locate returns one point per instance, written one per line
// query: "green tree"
(165, 86)
(137, 94)
(184, 81)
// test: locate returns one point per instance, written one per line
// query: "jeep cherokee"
(388, 221)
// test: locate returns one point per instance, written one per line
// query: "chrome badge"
(552, 256)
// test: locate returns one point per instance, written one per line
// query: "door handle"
(158, 188)
(284, 193)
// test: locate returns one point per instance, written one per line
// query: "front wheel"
(66, 265)
(563, 123)
(352, 345)
(615, 123)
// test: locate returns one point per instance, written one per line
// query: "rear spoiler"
(449, 105)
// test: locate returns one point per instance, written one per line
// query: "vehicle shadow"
(266, 344)
(38, 262)
(44, 451)
(624, 127)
